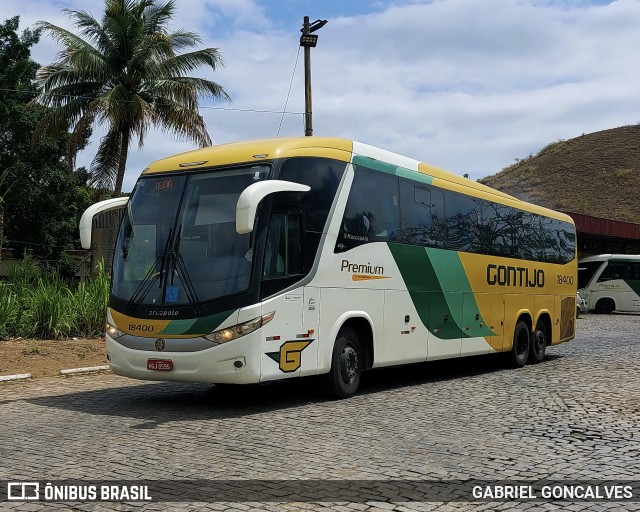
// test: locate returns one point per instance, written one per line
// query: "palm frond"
(79, 136)
(184, 63)
(67, 39)
(126, 71)
(104, 168)
(155, 17)
(186, 123)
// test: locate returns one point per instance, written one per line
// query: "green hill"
(595, 174)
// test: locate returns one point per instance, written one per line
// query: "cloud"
(467, 86)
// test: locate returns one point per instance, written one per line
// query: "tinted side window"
(422, 214)
(567, 241)
(323, 176)
(614, 270)
(463, 221)
(372, 213)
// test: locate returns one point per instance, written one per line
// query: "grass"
(38, 303)
(593, 174)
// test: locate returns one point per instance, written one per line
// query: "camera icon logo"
(23, 491)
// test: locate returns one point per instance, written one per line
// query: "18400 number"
(141, 327)
(565, 279)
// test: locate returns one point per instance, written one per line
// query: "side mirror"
(86, 220)
(252, 195)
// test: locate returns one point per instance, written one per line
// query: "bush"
(88, 305)
(39, 303)
(8, 310)
(47, 311)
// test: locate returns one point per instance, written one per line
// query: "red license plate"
(160, 365)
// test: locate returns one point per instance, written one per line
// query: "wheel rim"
(521, 344)
(349, 365)
(540, 342)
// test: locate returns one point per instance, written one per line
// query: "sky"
(466, 85)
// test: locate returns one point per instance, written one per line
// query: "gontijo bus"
(271, 259)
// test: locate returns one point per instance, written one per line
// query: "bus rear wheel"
(521, 345)
(605, 306)
(539, 340)
(346, 365)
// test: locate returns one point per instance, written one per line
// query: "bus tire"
(346, 365)
(521, 345)
(605, 306)
(539, 339)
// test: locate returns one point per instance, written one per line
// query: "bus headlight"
(237, 331)
(114, 332)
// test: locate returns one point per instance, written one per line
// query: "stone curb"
(80, 371)
(17, 376)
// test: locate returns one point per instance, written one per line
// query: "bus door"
(286, 340)
(310, 327)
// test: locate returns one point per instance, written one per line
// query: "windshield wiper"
(181, 269)
(158, 268)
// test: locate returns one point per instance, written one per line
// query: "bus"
(610, 282)
(278, 258)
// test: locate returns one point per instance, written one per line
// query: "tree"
(42, 200)
(125, 72)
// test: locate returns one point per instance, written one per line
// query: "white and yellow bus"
(609, 282)
(271, 259)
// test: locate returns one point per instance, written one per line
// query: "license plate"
(160, 365)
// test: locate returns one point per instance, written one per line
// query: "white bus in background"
(610, 282)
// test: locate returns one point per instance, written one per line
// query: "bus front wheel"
(521, 345)
(605, 306)
(344, 377)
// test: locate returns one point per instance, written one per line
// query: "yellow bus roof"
(254, 151)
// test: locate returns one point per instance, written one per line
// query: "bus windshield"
(586, 271)
(178, 244)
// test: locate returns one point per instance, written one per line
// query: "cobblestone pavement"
(573, 417)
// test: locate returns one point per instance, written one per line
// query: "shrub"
(8, 310)
(88, 304)
(47, 309)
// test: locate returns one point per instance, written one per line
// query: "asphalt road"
(413, 438)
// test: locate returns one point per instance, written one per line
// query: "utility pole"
(308, 41)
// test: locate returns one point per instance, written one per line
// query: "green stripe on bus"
(414, 175)
(196, 325)
(453, 279)
(209, 323)
(403, 172)
(178, 326)
(436, 282)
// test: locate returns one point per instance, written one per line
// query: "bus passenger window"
(614, 270)
(372, 213)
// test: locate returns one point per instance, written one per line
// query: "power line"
(232, 109)
(288, 93)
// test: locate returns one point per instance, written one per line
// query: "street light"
(308, 41)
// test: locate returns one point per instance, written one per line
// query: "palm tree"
(127, 73)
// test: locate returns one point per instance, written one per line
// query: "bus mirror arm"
(251, 196)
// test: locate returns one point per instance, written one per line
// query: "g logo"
(289, 358)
